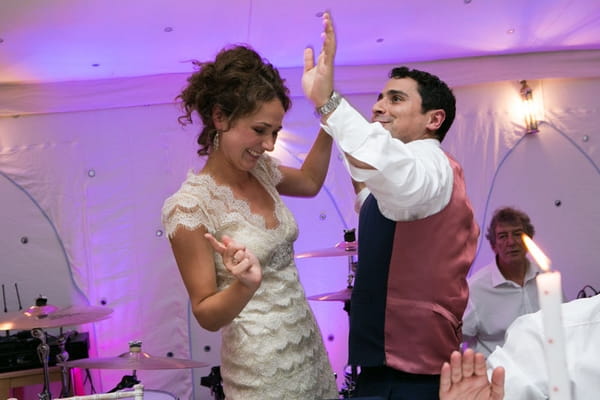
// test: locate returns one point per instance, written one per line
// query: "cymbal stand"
(43, 351)
(127, 382)
(214, 382)
(350, 244)
(351, 377)
(350, 280)
(62, 357)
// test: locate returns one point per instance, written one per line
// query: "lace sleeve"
(183, 210)
(268, 170)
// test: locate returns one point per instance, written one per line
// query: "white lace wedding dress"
(273, 349)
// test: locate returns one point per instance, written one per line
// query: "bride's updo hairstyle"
(238, 82)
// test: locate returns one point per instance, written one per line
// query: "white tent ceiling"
(62, 40)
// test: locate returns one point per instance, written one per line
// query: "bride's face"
(250, 136)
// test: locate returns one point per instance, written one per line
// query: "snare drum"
(156, 394)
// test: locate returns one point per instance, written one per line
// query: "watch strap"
(334, 101)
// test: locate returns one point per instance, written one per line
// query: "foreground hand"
(238, 260)
(465, 378)
(317, 79)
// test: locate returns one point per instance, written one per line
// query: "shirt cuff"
(347, 127)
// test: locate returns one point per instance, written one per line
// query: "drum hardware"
(127, 382)
(350, 375)
(150, 394)
(19, 350)
(42, 315)
(4, 302)
(344, 294)
(348, 248)
(62, 357)
(43, 353)
(135, 359)
(214, 382)
(48, 316)
(341, 295)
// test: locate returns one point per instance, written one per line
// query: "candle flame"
(538, 255)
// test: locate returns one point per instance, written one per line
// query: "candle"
(550, 296)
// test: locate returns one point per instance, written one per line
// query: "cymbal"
(342, 295)
(49, 316)
(340, 249)
(134, 360)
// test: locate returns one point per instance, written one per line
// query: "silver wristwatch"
(334, 100)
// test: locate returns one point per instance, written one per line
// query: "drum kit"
(43, 316)
(348, 248)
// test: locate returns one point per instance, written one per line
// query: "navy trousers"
(390, 384)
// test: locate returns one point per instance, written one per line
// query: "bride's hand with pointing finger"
(238, 260)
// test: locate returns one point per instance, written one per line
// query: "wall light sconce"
(531, 123)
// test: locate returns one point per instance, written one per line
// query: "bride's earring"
(215, 143)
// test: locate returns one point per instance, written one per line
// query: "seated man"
(508, 281)
(521, 360)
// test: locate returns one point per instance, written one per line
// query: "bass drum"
(150, 394)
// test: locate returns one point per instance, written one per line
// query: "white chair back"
(137, 393)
